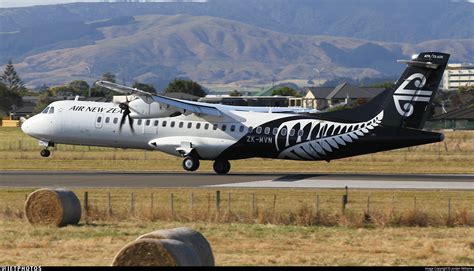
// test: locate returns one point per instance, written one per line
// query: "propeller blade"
(130, 122)
(126, 114)
(122, 122)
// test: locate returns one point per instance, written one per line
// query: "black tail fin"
(407, 103)
(413, 94)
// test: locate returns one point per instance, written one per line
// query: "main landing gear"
(191, 163)
(221, 166)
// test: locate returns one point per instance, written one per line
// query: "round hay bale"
(156, 252)
(186, 235)
(56, 207)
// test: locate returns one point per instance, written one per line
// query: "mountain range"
(232, 43)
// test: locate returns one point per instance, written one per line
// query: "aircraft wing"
(195, 107)
(199, 107)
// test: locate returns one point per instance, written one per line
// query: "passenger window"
(250, 130)
(206, 126)
(164, 124)
(51, 110)
(198, 125)
(241, 129)
(115, 120)
(156, 123)
(107, 119)
(292, 132)
(148, 122)
(259, 130)
(139, 122)
(99, 119)
(224, 127)
(232, 128)
(267, 130)
(172, 124)
(181, 124)
(190, 125)
(300, 133)
(214, 127)
(275, 131)
(45, 110)
(283, 132)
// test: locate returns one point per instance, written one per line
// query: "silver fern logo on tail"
(310, 139)
(404, 97)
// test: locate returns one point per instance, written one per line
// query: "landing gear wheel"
(45, 153)
(221, 166)
(190, 163)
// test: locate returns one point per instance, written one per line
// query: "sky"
(25, 3)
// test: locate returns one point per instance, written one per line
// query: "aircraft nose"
(26, 127)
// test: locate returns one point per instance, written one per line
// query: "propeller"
(126, 114)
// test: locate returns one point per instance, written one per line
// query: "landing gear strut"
(190, 163)
(221, 166)
(45, 153)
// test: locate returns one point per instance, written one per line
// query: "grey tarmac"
(128, 179)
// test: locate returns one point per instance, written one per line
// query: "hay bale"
(186, 235)
(156, 252)
(56, 207)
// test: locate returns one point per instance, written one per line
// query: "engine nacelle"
(144, 108)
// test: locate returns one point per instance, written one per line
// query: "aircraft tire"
(190, 163)
(221, 166)
(45, 153)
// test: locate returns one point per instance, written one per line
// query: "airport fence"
(353, 208)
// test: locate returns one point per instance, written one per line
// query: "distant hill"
(379, 20)
(155, 48)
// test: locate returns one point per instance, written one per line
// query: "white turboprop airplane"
(200, 131)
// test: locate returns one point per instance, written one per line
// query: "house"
(323, 97)
(459, 119)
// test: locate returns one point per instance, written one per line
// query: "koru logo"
(404, 97)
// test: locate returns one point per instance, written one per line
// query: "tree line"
(12, 89)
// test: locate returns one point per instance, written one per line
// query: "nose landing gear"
(221, 166)
(45, 153)
(45, 144)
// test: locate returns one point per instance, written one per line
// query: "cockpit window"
(45, 110)
(51, 110)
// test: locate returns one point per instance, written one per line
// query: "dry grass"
(243, 244)
(272, 236)
(455, 155)
(277, 207)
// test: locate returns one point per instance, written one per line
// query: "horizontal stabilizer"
(421, 64)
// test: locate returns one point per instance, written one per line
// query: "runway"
(71, 179)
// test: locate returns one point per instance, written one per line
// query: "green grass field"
(454, 156)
